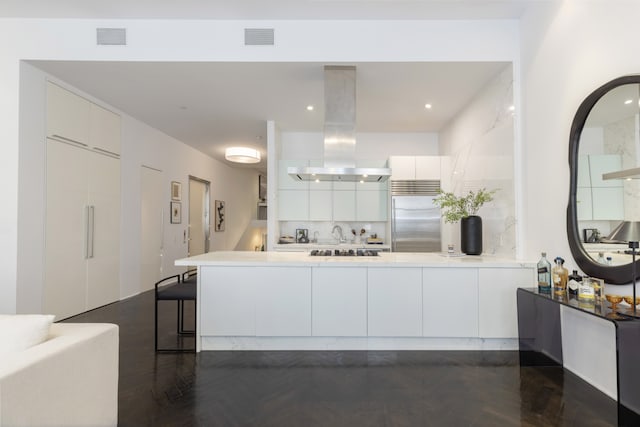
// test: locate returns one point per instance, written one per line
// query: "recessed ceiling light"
(365, 176)
(317, 180)
(628, 101)
(309, 107)
(428, 106)
(242, 155)
(362, 181)
(512, 108)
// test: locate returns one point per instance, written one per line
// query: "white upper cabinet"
(285, 182)
(68, 115)
(105, 130)
(415, 167)
(402, 167)
(428, 167)
(73, 119)
(601, 164)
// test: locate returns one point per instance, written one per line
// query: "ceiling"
(273, 9)
(211, 106)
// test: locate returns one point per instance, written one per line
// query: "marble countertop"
(385, 259)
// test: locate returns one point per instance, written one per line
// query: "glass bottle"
(586, 290)
(544, 274)
(574, 283)
(601, 259)
(560, 276)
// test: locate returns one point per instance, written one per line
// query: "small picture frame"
(176, 191)
(220, 215)
(302, 235)
(176, 212)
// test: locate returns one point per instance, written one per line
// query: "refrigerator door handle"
(393, 224)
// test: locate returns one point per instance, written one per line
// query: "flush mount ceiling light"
(242, 155)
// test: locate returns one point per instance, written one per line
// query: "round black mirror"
(604, 193)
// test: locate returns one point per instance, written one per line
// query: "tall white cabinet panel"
(395, 302)
(339, 297)
(284, 307)
(228, 294)
(450, 292)
(103, 266)
(82, 237)
(65, 292)
(498, 315)
(68, 115)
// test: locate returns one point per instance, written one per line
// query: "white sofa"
(71, 379)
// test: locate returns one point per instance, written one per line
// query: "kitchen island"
(401, 301)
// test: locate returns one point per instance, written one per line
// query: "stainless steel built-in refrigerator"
(415, 220)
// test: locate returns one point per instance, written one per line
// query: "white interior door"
(198, 216)
(151, 226)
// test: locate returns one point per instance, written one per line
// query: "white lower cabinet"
(394, 302)
(227, 301)
(339, 297)
(450, 302)
(498, 315)
(283, 302)
(258, 301)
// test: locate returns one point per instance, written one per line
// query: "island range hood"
(339, 133)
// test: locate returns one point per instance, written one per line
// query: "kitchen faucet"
(341, 237)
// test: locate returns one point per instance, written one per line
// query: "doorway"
(198, 216)
(151, 226)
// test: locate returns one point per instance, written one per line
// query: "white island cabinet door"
(450, 302)
(283, 301)
(497, 300)
(227, 301)
(339, 296)
(395, 302)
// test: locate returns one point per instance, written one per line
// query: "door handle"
(90, 231)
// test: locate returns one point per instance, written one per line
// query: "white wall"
(568, 50)
(194, 40)
(141, 145)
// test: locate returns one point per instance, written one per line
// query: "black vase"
(471, 235)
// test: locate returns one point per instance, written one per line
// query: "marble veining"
(479, 146)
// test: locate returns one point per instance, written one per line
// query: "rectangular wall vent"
(258, 36)
(111, 36)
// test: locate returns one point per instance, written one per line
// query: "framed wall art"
(176, 212)
(176, 191)
(220, 215)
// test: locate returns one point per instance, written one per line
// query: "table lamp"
(629, 231)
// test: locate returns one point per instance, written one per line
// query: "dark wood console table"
(540, 343)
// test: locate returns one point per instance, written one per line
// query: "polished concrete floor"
(334, 388)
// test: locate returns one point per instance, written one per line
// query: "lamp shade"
(242, 155)
(626, 231)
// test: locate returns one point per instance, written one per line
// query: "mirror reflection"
(608, 187)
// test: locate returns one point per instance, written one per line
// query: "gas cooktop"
(345, 252)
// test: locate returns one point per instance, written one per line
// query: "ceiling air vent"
(258, 36)
(112, 36)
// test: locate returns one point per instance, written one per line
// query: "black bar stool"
(173, 288)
